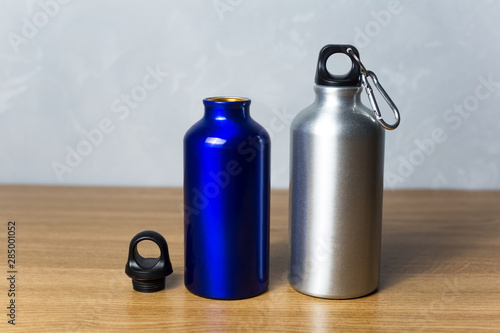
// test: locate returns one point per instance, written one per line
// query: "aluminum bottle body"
(337, 156)
(226, 202)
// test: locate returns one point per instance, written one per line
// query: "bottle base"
(227, 298)
(339, 297)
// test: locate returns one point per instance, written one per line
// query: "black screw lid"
(324, 78)
(148, 274)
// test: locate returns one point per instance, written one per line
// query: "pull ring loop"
(365, 74)
(148, 274)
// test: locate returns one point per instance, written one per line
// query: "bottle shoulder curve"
(258, 129)
(226, 131)
(325, 121)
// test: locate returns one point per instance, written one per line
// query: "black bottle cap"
(324, 78)
(148, 274)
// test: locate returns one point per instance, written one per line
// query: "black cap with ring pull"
(325, 78)
(148, 274)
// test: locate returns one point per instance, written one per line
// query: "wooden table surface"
(440, 267)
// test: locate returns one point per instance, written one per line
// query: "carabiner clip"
(364, 75)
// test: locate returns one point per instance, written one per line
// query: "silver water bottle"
(336, 186)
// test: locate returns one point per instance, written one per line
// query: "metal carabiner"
(364, 75)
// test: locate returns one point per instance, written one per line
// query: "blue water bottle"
(226, 202)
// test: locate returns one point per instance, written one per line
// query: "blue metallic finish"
(226, 202)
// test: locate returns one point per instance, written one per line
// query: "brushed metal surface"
(337, 156)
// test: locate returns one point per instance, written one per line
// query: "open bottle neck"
(223, 108)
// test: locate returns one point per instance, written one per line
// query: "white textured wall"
(64, 76)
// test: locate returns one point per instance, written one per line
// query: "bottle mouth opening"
(227, 99)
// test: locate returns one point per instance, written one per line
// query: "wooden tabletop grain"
(440, 267)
